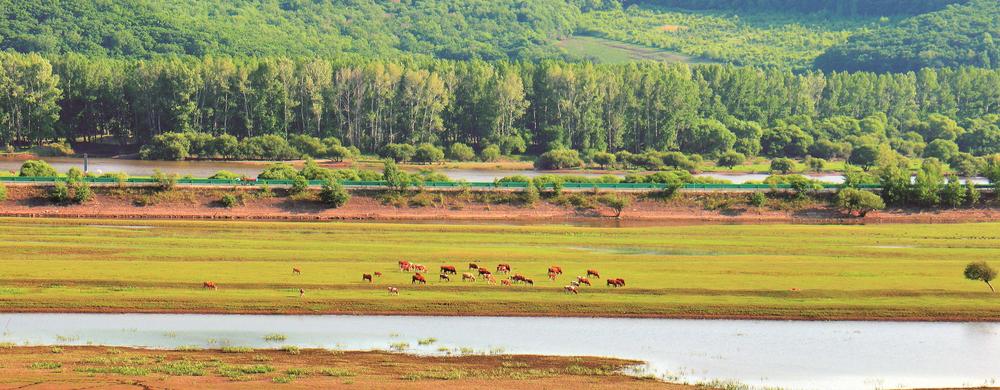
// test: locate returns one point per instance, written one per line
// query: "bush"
(267, 147)
(972, 193)
(37, 168)
(815, 164)
(59, 193)
(559, 159)
(862, 202)
(225, 146)
(428, 153)
(614, 201)
(953, 193)
(731, 159)
(333, 194)
(278, 171)
(399, 152)
(530, 195)
(57, 149)
(166, 146)
(783, 165)
(800, 185)
(604, 159)
(339, 153)
(121, 178)
(757, 199)
(308, 145)
(461, 152)
(165, 182)
(299, 185)
(394, 177)
(490, 153)
(224, 175)
(82, 192)
(229, 201)
(678, 160)
(3, 192)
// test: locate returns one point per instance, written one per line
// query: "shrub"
(530, 195)
(308, 145)
(649, 160)
(74, 174)
(339, 153)
(815, 164)
(559, 159)
(865, 156)
(399, 152)
(490, 153)
(267, 147)
(428, 153)
(224, 175)
(394, 177)
(614, 201)
(757, 199)
(81, 192)
(678, 160)
(229, 201)
(56, 149)
(783, 165)
(59, 193)
(299, 185)
(854, 200)
(972, 193)
(800, 185)
(461, 152)
(731, 159)
(278, 171)
(165, 182)
(3, 192)
(604, 159)
(166, 146)
(333, 194)
(953, 193)
(37, 168)
(225, 146)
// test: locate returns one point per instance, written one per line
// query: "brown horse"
(594, 273)
(503, 268)
(296, 271)
(393, 291)
(571, 289)
(366, 278)
(473, 266)
(582, 280)
(555, 270)
(210, 285)
(484, 272)
(418, 278)
(448, 269)
(618, 282)
(468, 277)
(443, 277)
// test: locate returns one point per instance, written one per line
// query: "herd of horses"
(476, 273)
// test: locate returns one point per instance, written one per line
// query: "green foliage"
(865, 156)
(490, 153)
(267, 147)
(972, 194)
(980, 271)
(941, 149)
(731, 159)
(604, 159)
(230, 200)
(530, 194)
(461, 152)
(81, 192)
(299, 185)
(953, 193)
(399, 152)
(427, 153)
(166, 146)
(815, 164)
(862, 202)
(164, 181)
(559, 159)
(783, 165)
(616, 202)
(333, 194)
(3, 192)
(37, 168)
(59, 193)
(224, 175)
(278, 171)
(394, 177)
(757, 199)
(926, 188)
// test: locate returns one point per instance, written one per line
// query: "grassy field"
(607, 51)
(735, 271)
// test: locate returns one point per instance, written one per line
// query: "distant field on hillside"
(615, 52)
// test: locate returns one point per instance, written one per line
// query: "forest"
(533, 107)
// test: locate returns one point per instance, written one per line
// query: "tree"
(490, 153)
(980, 271)
(399, 152)
(299, 185)
(941, 149)
(708, 137)
(394, 177)
(278, 171)
(614, 201)
(865, 156)
(559, 159)
(783, 165)
(972, 193)
(59, 193)
(461, 152)
(815, 164)
(926, 188)
(953, 193)
(37, 168)
(604, 159)
(333, 194)
(853, 200)
(731, 159)
(167, 146)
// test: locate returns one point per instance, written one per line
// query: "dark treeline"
(518, 107)
(962, 35)
(838, 7)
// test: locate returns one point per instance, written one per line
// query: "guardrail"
(434, 184)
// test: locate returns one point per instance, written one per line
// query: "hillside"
(961, 35)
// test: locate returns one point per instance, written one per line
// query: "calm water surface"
(787, 354)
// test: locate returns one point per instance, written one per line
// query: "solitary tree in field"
(982, 272)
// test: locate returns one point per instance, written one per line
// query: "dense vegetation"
(836, 7)
(961, 35)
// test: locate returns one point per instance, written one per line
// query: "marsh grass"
(234, 349)
(337, 372)
(44, 365)
(275, 337)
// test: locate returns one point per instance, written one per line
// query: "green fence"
(434, 184)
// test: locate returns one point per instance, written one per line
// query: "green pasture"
(800, 271)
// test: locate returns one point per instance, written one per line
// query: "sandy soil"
(126, 368)
(203, 203)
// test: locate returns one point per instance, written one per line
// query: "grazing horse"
(366, 277)
(571, 289)
(552, 276)
(302, 293)
(473, 266)
(594, 273)
(503, 268)
(468, 277)
(210, 285)
(448, 269)
(404, 265)
(419, 267)
(618, 282)
(528, 281)
(444, 277)
(296, 271)
(393, 291)
(505, 282)
(484, 272)
(583, 280)
(378, 274)
(418, 278)
(555, 270)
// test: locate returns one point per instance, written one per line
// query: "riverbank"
(28, 200)
(123, 368)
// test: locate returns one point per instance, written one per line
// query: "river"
(208, 168)
(786, 354)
